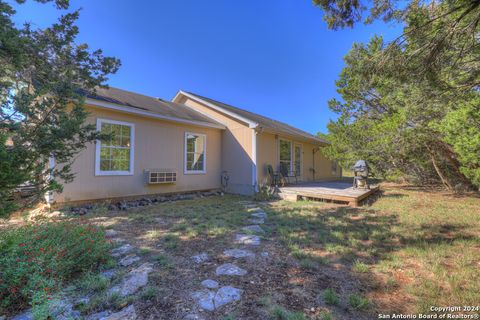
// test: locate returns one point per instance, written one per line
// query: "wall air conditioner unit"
(160, 176)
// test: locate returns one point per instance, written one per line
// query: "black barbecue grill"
(360, 178)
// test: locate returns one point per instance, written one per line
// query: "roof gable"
(253, 119)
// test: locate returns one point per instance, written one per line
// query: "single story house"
(186, 145)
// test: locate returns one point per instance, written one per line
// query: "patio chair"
(274, 176)
(286, 174)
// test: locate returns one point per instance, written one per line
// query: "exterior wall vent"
(160, 176)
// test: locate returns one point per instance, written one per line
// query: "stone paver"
(256, 220)
(253, 228)
(247, 239)
(59, 309)
(129, 260)
(225, 295)
(210, 284)
(204, 298)
(98, 315)
(110, 233)
(259, 214)
(134, 280)
(211, 300)
(193, 317)
(63, 310)
(120, 251)
(201, 257)
(239, 253)
(28, 315)
(229, 269)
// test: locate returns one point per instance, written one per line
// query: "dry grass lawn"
(408, 250)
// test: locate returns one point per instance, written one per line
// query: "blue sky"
(276, 58)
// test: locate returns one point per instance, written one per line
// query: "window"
(195, 149)
(298, 160)
(285, 156)
(114, 155)
(334, 167)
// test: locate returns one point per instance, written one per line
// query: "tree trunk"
(439, 172)
(452, 159)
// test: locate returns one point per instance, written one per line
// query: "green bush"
(358, 302)
(279, 313)
(37, 259)
(360, 267)
(331, 297)
(265, 193)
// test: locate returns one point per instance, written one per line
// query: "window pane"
(298, 159)
(120, 154)
(195, 162)
(124, 165)
(106, 129)
(334, 167)
(125, 141)
(105, 153)
(199, 144)
(198, 162)
(126, 131)
(284, 167)
(199, 166)
(116, 135)
(191, 143)
(105, 165)
(285, 150)
(115, 165)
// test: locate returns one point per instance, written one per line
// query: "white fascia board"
(251, 124)
(117, 107)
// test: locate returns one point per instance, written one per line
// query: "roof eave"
(125, 109)
(296, 136)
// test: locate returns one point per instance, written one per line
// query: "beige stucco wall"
(268, 154)
(237, 152)
(158, 144)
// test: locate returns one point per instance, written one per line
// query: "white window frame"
(99, 172)
(185, 170)
(291, 154)
(296, 144)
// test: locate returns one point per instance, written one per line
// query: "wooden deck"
(337, 191)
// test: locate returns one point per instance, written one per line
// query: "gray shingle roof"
(265, 122)
(141, 102)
